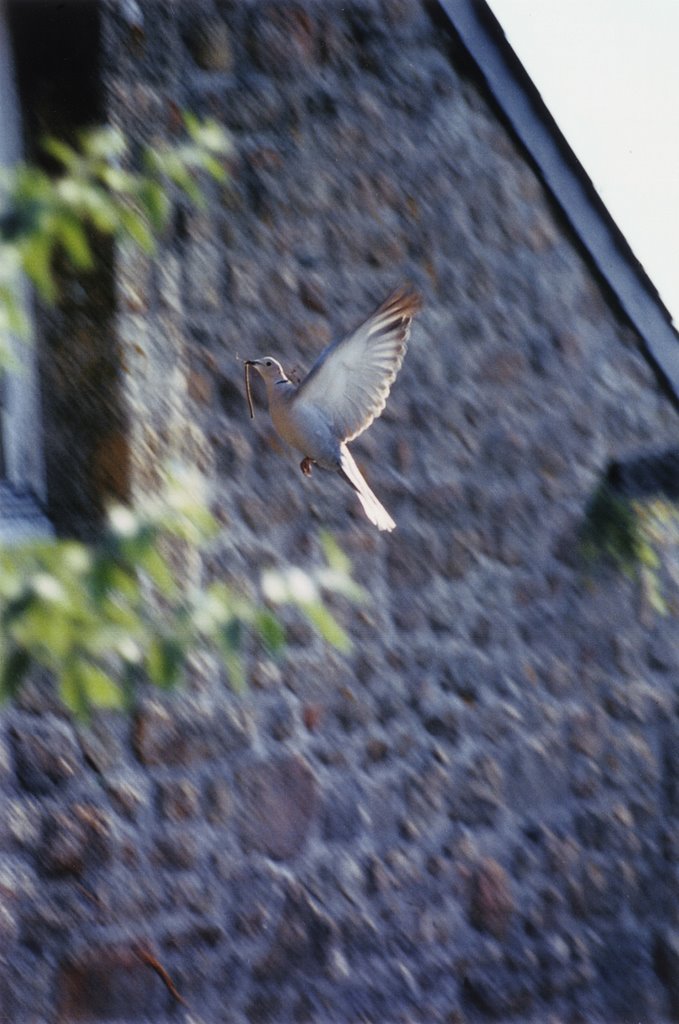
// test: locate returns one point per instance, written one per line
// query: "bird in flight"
(345, 390)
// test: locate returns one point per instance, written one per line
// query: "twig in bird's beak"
(247, 363)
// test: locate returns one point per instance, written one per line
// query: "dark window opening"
(57, 52)
(56, 49)
(652, 475)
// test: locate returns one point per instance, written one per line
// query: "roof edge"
(484, 40)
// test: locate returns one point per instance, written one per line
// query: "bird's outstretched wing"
(351, 378)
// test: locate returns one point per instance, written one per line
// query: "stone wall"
(476, 815)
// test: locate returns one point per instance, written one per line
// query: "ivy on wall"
(630, 521)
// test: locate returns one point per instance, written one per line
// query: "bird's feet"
(305, 465)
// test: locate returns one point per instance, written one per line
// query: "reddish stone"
(312, 295)
(108, 983)
(278, 802)
(200, 387)
(312, 715)
(75, 838)
(182, 734)
(179, 800)
(46, 754)
(209, 43)
(503, 366)
(284, 38)
(492, 903)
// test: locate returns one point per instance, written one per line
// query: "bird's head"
(269, 368)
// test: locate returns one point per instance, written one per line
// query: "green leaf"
(71, 689)
(271, 630)
(230, 635)
(165, 661)
(14, 664)
(99, 688)
(88, 201)
(104, 143)
(228, 641)
(102, 576)
(46, 629)
(102, 212)
(134, 225)
(133, 551)
(17, 607)
(647, 556)
(214, 168)
(74, 240)
(652, 590)
(128, 683)
(61, 152)
(235, 670)
(36, 253)
(118, 180)
(208, 610)
(175, 165)
(156, 203)
(163, 579)
(328, 626)
(12, 315)
(191, 123)
(153, 563)
(208, 134)
(334, 556)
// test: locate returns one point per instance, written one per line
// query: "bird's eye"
(268, 362)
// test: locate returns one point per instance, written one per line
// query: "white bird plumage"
(345, 390)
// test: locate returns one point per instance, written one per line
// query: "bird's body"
(303, 425)
(345, 390)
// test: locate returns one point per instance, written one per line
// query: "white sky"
(608, 71)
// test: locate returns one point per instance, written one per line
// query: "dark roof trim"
(514, 92)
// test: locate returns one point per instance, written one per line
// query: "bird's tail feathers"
(376, 513)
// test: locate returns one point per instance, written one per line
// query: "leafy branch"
(93, 193)
(101, 618)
